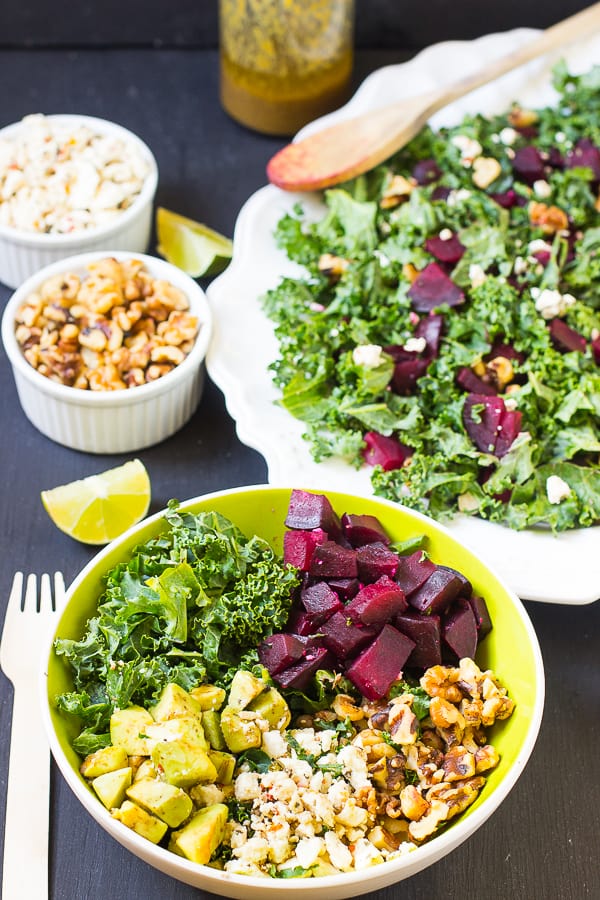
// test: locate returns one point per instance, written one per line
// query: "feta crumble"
(552, 303)
(557, 489)
(367, 355)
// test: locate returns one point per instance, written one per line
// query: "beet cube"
(375, 560)
(438, 592)
(377, 603)
(430, 327)
(381, 663)
(467, 587)
(432, 288)
(320, 602)
(406, 374)
(413, 571)
(596, 350)
(528, 164)
(565, 338)
(329, 560)
(343, 637)
(307, 511)
(363, 530)
(441, 192)
(345, 588)
(426, 632)
(482, 427)
(298, 547)
(586, 155)
(300, 622)
(426, 171)
(507, 199)
(387, 452)
(279, 651)
(300, 674)
(510, 427)
(459, 630)
(446, 251)
(482, 617)
(469, 381)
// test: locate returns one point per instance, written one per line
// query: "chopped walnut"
(332, 266)
(413, 804)
(440, 681)
(549, 218)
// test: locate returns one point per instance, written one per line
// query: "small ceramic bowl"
(511, 650)
(23, 253)
(110, 421)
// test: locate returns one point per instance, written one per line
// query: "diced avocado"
(175, 702)
(240, 734)
(183, 764)
(270, 705)
(140, 821)
(128, 730)
(244, 688)
(199, 839)
(211, 722)
(224, 763)
(146, 770)
(186, 728)
(209, 696)
(166, 801)
(108, 759)
(111, 786)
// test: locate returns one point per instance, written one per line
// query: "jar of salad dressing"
(284, 62)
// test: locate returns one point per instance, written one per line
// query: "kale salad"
(447, 328)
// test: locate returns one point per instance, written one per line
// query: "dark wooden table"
(543, 842)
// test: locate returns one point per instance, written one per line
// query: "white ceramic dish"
(22, 254)
(111, 421)
(537, 565)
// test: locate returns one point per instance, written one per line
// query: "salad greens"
(514, 250)
(190, 605)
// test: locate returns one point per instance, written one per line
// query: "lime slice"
(97, 509)
(191, 246)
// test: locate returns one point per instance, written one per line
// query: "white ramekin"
(111, 421)
(23, 253)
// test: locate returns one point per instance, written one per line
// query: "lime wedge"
(97, 509)
(191, 246)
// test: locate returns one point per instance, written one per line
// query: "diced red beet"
(438, 592)
(377, 603)
(343, 637)
(406, 374)
(528, 164)
(413, 571)
(467, 587)
(432, 288)
(430, 327)
(426, 171)
(300, 622)
(320, 602)
(307, 511)
(483, 428)
(586, 155)
(510, 427)
(483, 619)
(426, 632)
(566, 338)
(345, 588)
(440, 192)
(300, 674)
(387, 452)
(469, 381)
(374, 671)
(330, 560)
(542, 256)
(298, 547)
(506, 199)
(459, 630)
(363, 529)
(555, 158)
(375, 560)
(596, 350)
(448, 250)
(279, 651)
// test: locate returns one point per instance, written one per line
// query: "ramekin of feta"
(70, 184)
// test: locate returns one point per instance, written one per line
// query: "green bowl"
(511, 650)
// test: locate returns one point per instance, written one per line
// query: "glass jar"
(284, 62)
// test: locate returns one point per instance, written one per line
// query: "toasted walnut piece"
(549, 218)
(470, 677)
(458, 796)
(413, 804)
(471, 711)
(60, 286)
(458, 763)
(332, 266)
(437, 813)
(485, 170)
(440, 681)
(48, 339)
(93, 338)
(106, 378)
(383, 839)
(54, 312)
(157, 370)
(178, 328)
(169, 295)
(431, 739)
(134, 377)
(410, 272)
(486, 758)
(522, 118)
(444, 714)
(496, 708)
(107, 268)
(167, 354)
(501, 372)
(403, 724)
(100, 294)
(396, 191)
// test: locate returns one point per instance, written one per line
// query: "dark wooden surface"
(543, 842)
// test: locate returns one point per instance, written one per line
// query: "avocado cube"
(211, 722)
(188, 728)
(111, 786)
(169, 803)
(140, 821)
(240, 734)
(270, 705)
(128, 730)
(108, 759)
(198, 840)
(209, 696)
(244, 688)
(183, 764)
(175, 702)
(224, 763)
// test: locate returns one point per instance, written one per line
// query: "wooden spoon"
(355, 145)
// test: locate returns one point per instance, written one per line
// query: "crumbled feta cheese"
(541, 188)
(446, 234)
(552, 303)
(381, 256)
(339, 854)
(246, 786)
(274, 743)
(457, 196)
(508, 136)
(308, 851)
(415, 345)
(367, 355)
(366, 854)
(539, 246)
(469, 148)
(557, 489)
(560, 137)
(519, 265)
(476, 275)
